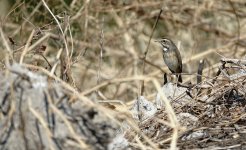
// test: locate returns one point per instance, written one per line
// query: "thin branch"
(147, 50)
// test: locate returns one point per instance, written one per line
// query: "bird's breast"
(171, 61)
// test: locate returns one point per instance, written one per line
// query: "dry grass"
(97, 48)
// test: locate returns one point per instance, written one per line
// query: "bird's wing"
(179, 60)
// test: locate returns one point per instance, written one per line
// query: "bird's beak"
(158, 40)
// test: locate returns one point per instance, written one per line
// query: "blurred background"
(107, 38)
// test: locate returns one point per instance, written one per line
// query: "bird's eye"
(165, 41)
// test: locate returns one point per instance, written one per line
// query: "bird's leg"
(165, 78)
(179, 78)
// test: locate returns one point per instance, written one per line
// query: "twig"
(26, 47)
(6, 43)
(101, 52)
(147, 50)
(238, 25)
(59, 25)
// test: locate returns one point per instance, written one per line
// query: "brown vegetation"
(103, 51)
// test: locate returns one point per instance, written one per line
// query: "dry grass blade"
(89, 69)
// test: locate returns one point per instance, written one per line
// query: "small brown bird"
(171, 56)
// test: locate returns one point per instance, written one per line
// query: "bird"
(171, 56)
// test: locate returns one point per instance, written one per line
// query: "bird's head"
(165, 43)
